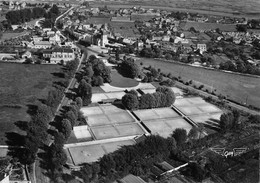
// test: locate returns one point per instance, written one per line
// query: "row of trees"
(163, 97)
(24, 15)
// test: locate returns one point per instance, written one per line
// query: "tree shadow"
(23, 125)
(32, 109)
(14, 139)
(59, 74)
(121, 72)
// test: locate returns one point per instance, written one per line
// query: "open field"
(237, 87)
(91, 153)
(22, 85)
(247, 8)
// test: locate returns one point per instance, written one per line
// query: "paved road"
(39, 173)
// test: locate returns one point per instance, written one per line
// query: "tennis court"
(99, 97)
(157, 113)
(91, 153)
(106, 114)
(165, 127)
(209, 119)
(114, 131)
(195, 106)
(189, 101)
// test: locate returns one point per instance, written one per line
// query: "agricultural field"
(247, 8)
(243, 89)
(20, 88)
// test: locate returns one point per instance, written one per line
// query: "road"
(41, 176)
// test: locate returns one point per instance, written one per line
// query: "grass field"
(119, 81)
(237, 87)
(22, 85)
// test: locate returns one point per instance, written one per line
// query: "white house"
(202, 47)
(59, 55)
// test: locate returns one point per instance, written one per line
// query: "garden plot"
(114, 131)
(165, 127)
(157, 113)
(92, 153)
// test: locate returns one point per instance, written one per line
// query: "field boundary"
(217, 70)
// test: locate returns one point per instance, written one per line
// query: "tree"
(180, 135)
(254, 119)
(66, 128)
(85, 92)
(129, 68)
(130, 101)
(147, 101)
(241, 28)
(71, 117)
(97, 81)
(58, 157)
(89, 71)
(59, 139)
(79, 102)
(226, 121)
(107, 164)
(154, 72)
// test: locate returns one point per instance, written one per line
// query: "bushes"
(168, 82)
(163, 97)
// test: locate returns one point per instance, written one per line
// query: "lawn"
(120, 81)
(21, 86)
(237, 87)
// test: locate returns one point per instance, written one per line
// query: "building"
(130, 179)
(42, 45)
(59, 55)
(202, 48)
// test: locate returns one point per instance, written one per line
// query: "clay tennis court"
(195, 106)
(157, 113)
(115, 131)
(91, 153)
(165, 127)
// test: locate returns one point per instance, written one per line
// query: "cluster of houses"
(53, 47)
